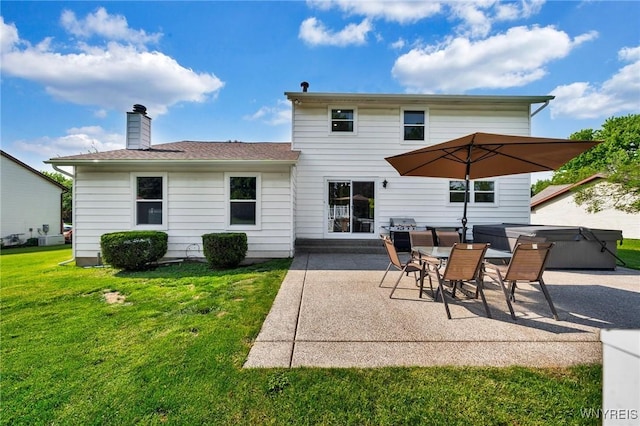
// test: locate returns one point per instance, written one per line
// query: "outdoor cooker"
(399, 228)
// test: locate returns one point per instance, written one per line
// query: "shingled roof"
(191, 151)
(553, 191)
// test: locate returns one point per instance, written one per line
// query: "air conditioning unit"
(50, 240)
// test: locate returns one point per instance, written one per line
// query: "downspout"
(544, 105)
(64, 172)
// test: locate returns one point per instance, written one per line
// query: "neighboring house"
(330, 182)
(555, 205)
(29, 201)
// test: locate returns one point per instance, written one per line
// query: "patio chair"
(421, 238)
(424, 238)
(447, 238)
(410, 265)
(463, 266)
(527, 264)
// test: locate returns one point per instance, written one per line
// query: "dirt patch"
(112, 297)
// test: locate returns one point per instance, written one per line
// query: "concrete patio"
(330, 312)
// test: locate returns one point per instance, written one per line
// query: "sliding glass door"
(351, 207)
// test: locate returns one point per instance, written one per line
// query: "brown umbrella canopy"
(481, 155)
(487, 155)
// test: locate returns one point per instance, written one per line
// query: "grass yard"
(629, 251)
(169, 347)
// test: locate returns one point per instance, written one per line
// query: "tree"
(67, 196)
(616, 157)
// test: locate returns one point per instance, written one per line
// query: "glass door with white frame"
(351, 207)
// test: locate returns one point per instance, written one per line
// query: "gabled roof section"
(404, 99)
(190, 152)
(555, 191)
(34, 171)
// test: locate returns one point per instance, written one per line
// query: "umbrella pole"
(466, 195)
(464, 212)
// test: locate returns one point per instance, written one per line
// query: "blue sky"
(217, 71)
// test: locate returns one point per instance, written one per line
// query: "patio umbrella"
(481, 155)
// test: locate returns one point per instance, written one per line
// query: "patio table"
(442, 253)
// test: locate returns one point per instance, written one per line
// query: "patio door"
(351, 207)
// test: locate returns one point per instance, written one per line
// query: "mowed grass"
(629, 251)
(172, 353)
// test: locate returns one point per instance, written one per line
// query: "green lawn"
(629, 251)
(172, 353)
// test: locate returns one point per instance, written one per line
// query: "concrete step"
(335, 245)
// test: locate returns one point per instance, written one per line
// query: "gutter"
(177, 162)
(544, 105)
(59, 170)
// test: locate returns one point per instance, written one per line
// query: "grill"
(399, 228)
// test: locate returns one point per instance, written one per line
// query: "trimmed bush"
(225, 250)
(133, 250)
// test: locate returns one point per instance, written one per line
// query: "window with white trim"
(150, 204)
(480, 191)
(414, 125)
(243, 191)
(343, 120)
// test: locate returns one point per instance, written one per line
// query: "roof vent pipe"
(305, 86)
(140, 109)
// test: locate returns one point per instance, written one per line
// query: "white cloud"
(511, 59)
(8, 36)
(619, 94)
(273, 115)
(476, 17)
(314, 32)
(78, 140)
(110, 27)
(114, 76)
(398, 44)
(400, 11)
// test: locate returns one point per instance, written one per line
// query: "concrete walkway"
(330, 312)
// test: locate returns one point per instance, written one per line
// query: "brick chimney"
(138, 128)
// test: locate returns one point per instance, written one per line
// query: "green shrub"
(31, 242)
(133, 250)
(225, 250)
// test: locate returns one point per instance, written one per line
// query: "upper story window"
(414, 124)
(480, 191)
(150, 206)
(244, 196)
(342, 120)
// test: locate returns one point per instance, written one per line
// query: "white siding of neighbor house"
(361, 156)
(196, 205)
(563, 211)
(28, 201)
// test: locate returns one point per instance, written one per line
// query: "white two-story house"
(345, 188)
(331, 182)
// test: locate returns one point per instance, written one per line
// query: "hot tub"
(576, 247)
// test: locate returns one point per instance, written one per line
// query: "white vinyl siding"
(379, 136)
(195, 204)
(563, 211)
(28, 201)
